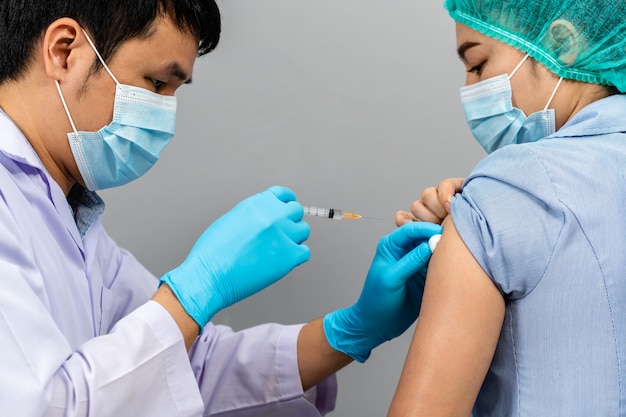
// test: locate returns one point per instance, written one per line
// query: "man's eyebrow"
(464, 48)
(175, 69)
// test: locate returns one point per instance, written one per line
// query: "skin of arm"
(188, 327)
(317, 360)
(455, 336)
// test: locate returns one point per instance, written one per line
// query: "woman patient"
(524, 309)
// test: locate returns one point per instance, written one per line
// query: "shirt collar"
(86, 207)
(600, 117)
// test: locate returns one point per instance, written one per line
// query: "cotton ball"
(432, 242)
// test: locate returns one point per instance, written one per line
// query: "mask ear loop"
(553, 93)
(106, 67)
(67, 110)
(519, 66)
(558, 84)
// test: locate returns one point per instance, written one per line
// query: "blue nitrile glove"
(391, 297)
(249, 248)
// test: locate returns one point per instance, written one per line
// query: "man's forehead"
(173, 49)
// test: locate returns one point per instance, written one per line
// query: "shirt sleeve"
(254, 372)
(509, 217)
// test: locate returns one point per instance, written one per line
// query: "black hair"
(109, 22)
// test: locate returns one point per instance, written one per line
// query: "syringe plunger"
(330, 213)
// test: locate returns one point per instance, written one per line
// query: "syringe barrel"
(329, 213)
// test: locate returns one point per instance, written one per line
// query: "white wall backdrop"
(353, 104)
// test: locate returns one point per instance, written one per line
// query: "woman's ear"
(564, 41)
(59, 47)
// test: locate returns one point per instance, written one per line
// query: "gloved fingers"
(295, 211)
(298, 231)
(415, 287)
(284, 194)
(303, 254)
(412, 262)
(405, 237)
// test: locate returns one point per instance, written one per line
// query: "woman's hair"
(110, 23)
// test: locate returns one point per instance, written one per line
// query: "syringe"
(330, 213)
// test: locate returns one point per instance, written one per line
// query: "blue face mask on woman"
(494, 121)
(143, 125)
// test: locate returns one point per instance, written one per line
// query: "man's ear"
(60, 45)
(564, 41)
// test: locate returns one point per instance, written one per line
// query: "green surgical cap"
(584, 40)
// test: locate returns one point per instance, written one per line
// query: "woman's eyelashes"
(477, 69)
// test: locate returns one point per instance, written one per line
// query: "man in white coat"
(87, 103)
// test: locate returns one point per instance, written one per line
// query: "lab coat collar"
(16, 146)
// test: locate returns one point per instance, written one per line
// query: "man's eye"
(157, 83)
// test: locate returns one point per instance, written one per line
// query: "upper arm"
(455, 337)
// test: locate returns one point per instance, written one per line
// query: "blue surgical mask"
(143, 125)
(494, 121)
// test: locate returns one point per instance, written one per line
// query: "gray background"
(353, 104)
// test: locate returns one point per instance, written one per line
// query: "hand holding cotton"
(392, 294)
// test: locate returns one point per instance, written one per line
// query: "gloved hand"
(391, 297)
(249, 248)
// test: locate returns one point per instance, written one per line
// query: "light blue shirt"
(547, 222)
(79, 336)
